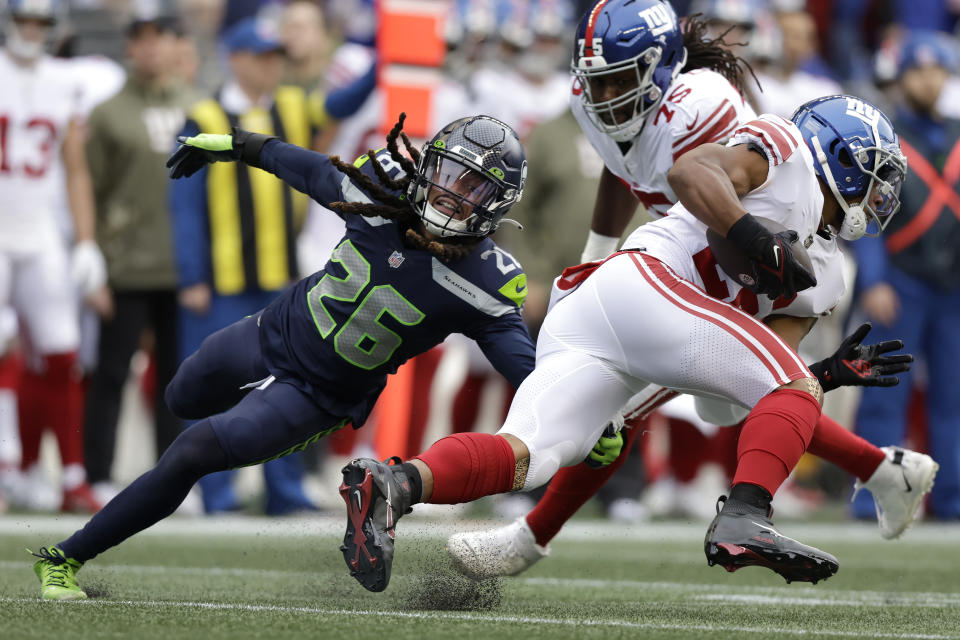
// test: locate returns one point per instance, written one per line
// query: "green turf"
(199, 580)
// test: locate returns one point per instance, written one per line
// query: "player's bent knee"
(543, 463)
(195, 453)
(807, 385)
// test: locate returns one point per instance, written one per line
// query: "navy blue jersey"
(379, 302)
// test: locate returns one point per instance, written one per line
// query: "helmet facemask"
(886, 166)
(623, 116)
(455, 197)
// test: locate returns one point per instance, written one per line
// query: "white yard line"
(734, 594)
(841, 532)
(860, 600)
(480, 618)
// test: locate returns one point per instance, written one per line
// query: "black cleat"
(377, 494)
(742, 536)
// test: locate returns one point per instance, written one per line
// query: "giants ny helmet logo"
(658, 18)
(863, 111)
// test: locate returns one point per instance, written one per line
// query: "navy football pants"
(250, 425)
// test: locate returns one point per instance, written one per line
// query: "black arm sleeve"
(507, 345)
(304, 170)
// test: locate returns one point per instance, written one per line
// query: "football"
(735, 262)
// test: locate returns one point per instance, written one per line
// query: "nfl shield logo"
(396, 259)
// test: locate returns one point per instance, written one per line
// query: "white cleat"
(898, 486)
(504, 551)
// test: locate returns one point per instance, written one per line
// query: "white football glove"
(87, 267)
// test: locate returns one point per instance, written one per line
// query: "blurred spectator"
(909, 281)
(42, 154)
(784, 81)
(735, 20)
(305, 41)
(528, 82)
(130, 137)
(555, 210)
(234, 227)
(185, 66)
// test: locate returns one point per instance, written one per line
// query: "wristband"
(598, 247)
(745, 232)
(247, 145)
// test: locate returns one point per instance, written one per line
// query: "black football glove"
(200, 150)
(778, 272)
(857, 365)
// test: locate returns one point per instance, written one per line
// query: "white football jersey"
(701, 106)
(791, 196)
(36, 108)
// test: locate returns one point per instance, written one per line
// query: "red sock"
(774, 436)
(688, 450)
(54, 399)
(467, 466)
(844, 448)
(569, 490)
(32, 411)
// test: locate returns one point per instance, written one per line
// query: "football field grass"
(248, 577)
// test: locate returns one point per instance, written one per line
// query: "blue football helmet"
(857, 154)
(616, 37)
(468, 176)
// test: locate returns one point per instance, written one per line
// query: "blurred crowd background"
(316, 72)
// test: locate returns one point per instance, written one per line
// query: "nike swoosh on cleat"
(907, 482)
(767, 527)
(359, 498)
(776, 254)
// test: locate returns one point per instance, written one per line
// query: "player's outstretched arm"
(612, 212)
(195, 152)
(858, 365)
(307, 171)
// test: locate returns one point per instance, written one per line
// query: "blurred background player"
(128, 143)
(42, 154)
(304, 36)
(908, 283)
(234, 226)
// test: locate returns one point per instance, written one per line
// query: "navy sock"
(153, 496)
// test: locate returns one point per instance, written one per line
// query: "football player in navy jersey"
(416, 264)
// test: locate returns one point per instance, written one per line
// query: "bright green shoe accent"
(57, 574)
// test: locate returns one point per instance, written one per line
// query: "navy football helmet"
(468, 177)
(857, 154)
(627, 54)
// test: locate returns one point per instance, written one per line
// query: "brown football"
(735, 262)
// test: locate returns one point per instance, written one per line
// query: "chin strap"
(854, 224)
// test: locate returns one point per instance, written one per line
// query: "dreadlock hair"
(392, 207)
(709, 53)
